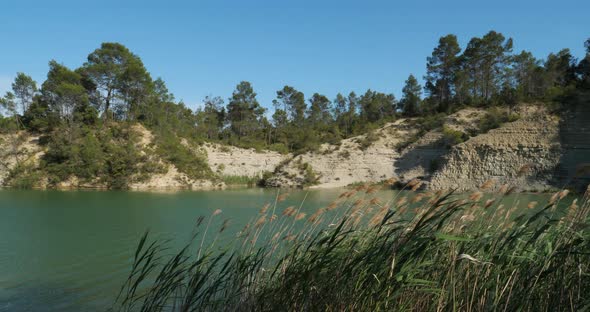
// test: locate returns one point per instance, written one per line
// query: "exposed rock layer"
(525, 152)
(537, 152)
(366, 158)
(234, 161)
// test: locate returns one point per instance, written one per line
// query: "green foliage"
(441, 72)
(430, 122)
(187, 160)
(8, 125)
(24, 88)
(279, 147)
(423, 124)
(120, 78)
(114, 84)
(310, 177)
(397, 257)
(109, 157)
(410, 102)
(241, 180)
(8, 103)
(367, 140)
(23, 176)
(292, 102)
(244, 111)
(376, 106)
(37, 118)
(453, 137)
(494, 118)
(266, 175)
(91, 157)
(121, 164)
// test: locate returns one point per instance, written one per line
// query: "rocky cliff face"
(234, 161)
(365, 158)
(377, 156)
(524, 153)
(574, 132)
(537, 152)
(421, 158)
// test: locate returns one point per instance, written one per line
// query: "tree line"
(113, 86)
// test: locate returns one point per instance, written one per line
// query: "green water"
(71, 251)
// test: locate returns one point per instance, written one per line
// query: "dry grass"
(421, 251)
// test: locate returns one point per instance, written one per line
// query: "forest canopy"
(72, 108)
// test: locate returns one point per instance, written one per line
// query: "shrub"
(400, 146)
(453, 137)
(344, 154)
(430, 122)
(494, 118)
(367, 140)
(240, 180)
(310, 177)
(224, 149)
(23, 176)
(188, 161)
(279, 147)
(221, 167)
(92, 160)
(110, 156)
(121, 164)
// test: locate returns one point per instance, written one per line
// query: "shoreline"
(245, 186)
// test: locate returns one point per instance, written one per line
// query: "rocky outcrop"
(234, 161)
(421, 158)
(365, 158)
(538, 152)
(524, 153)
(171, 178)
(20, 148)
(574, 131)
(397, 150)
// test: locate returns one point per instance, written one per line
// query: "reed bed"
(418, 251)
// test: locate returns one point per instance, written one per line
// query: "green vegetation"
(83, 114)
(417, 251)
(242, 180)
(493, 119)
(367, 140)
(310, 177)
(23, 176)
(187, 160)
(453, 137)
(111, 157)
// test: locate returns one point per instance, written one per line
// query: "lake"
(72, 250)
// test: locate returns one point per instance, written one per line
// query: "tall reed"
(421, 251)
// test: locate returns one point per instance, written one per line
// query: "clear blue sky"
(205, 48)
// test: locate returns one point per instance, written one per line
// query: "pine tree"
(410, 102)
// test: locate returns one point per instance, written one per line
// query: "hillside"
(109, 124)
(525, 152)
(454, 154)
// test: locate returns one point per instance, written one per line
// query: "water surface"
(71, 251)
